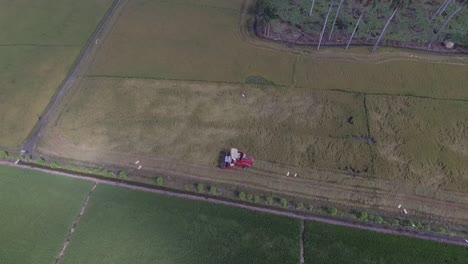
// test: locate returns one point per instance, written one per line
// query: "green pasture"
(128, 226)
(36, 211)
(330, 244)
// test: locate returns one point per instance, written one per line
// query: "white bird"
(287, 174)
(243, 95)
(399, 206)
(295, 174)
(137, 162)
(139, 167)
(404, 211)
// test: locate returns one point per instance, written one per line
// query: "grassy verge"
(36, 213)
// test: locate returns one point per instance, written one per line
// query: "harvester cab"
(236, 158)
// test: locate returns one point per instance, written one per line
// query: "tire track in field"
(258, 208)
(58, 260)
(301, 237)
(38, 130)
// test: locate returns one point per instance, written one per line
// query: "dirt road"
(296, 215)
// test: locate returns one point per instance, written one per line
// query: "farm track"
(38, 130)
(257, 208)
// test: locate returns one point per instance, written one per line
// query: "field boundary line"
(278, 85)
(75, 224)
(301, 241)
(371, 149)
(250, 207)
(39, 45)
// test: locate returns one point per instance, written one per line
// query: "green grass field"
(335, 244)
(128, 226)
(36, 212)
(38, 44)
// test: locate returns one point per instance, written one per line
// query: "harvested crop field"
(194, 121)
(422, 140)
(38, 45)
(36, 212)
(128, 226)
(178, 128)
(335, 244)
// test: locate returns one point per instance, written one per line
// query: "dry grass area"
(420, 140)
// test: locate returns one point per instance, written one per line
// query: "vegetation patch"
(36, 212)
(174, 230)
(415, 24)
(258, 80)
(336, 244)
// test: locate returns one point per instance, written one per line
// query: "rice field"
(335, 244)
(39, 42)
(162, 92)
(128, 226)
(36, 212)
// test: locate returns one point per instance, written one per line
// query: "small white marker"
(399, 206)
(243, 95)
(466, 240)
(137, 162)
(22, 151)
(287, 174)
(404, 211)
(295, 174)
(139, 167)
(16, 162)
